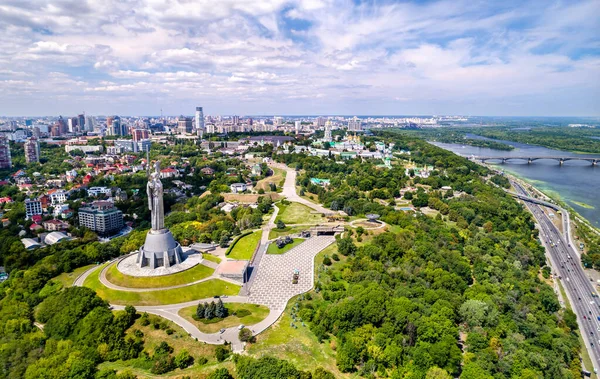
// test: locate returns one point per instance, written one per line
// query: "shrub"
(245, 335)
(327, 261)
(202, 361)
(335, 257)
(221, 373)
(169, 331)
(221, 353)
(183, 359)
(163, 365)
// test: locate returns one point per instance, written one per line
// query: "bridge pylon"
(529, 161)
(561, 161)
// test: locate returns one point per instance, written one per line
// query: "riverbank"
(582, 230)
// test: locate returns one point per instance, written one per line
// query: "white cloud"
(376, 54)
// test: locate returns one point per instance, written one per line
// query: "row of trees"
(211, 310)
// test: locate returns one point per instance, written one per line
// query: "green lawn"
(299, 346)
(273, 249)
(245, 246)
(212, 258)
(68, 278)
(193, 274)
(276, 233)
(256, 314)
(296, 213)
(198, 291)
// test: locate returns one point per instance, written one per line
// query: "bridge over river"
(529, 160)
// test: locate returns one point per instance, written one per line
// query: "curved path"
(289, 192)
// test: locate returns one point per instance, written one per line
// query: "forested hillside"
(460, 292)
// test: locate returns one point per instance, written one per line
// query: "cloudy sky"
(134, 57)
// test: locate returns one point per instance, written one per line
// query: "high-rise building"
(5, 161)
(72, 122)
(62, 126)
(101, 217)
(298, 126)
(320, 122)
(184, 125)
(115, 127)
(236, 120)
(199, 122)
(32, 150)
(90, 123)
(81, 122)
(327, 137)
(140, 134)
(355, 125)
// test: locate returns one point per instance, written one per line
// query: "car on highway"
(242, 326)
(221, 331)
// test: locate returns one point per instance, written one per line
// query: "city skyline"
(300, 58)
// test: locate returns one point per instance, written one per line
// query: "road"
(580, 290)
(289, 191)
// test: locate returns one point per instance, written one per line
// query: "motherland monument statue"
(154, 188)
(160, 248)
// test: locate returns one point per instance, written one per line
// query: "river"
(573, 182)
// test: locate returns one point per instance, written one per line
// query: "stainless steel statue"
(160, 248)
(154, 188)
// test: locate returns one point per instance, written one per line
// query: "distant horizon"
(304, 115)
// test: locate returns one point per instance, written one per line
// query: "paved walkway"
(273, 285)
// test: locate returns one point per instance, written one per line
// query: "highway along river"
(575, 182)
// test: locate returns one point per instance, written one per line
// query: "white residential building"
(95, 191)
(238, 187)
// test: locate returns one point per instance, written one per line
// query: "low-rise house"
(238, 187)
(55, 225)
(95, 191)
(207, 171)
(57, 196)
(169, 172)
(256, 170)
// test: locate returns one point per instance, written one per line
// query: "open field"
(193, 274)
(202, 290)
(245, 246)
(248, 198)
(299, 346)
(296, 213)
(273, 249)
(278, 177)
(179, 340)
(68, 278)
(251, 314)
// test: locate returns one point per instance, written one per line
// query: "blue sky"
(282, 57)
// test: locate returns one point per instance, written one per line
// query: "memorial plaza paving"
(273, 285)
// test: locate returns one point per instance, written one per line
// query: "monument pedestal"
(159, 250)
